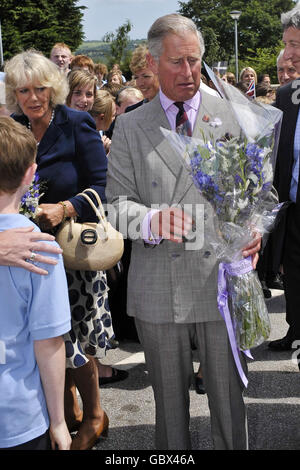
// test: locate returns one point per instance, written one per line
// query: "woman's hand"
(17, 245)
(106, 143)
(50, 215)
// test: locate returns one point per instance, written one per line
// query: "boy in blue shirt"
(34, 314)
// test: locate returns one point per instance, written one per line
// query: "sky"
(105, 16)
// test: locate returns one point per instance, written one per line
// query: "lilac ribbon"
(237, 268)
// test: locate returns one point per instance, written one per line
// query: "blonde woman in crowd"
(145, 79)
(103, 112)
(248, 74)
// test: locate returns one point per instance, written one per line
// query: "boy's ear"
(30, 172)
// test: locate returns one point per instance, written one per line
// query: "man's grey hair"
(171, 24)
(291, 19)
(280, 56)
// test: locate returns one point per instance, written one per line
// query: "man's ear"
(153, 65)
(30, 172)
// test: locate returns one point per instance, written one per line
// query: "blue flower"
(238, 179)
(267, 186)
(256, 156)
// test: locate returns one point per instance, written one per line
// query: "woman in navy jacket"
(70, 158)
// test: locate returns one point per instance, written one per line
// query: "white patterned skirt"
(91, 324)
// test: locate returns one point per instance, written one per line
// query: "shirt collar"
(167, 103)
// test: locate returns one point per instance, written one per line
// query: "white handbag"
(90, 246)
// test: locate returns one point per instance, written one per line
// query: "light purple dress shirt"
(191, 107)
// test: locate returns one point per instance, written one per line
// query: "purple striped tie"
(183, 125)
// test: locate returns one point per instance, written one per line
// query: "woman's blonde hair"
(248, 69)
(138, 59)
(103, 104)
(33, 67)
(80, 78)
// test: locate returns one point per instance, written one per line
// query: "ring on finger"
(32, 256)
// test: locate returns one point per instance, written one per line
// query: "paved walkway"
(272, 398)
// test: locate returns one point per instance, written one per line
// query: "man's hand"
(171, 224)
(253, 248)
(17, 245)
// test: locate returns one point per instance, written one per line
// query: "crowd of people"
(77, 126)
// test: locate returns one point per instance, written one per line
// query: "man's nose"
(285, 76)
(186, 68)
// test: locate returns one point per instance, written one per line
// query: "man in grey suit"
(172, 281)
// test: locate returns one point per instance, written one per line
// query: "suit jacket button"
(207, 254)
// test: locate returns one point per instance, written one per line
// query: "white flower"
(216, 122)
(242, 203)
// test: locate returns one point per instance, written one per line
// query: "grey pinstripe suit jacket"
(171, 282)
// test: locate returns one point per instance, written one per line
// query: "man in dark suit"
(286, 180)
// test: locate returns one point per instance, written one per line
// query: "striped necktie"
(183, 125)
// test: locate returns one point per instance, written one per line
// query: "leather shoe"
(83, 441)
(74, 425)
(283, 344)
(117, 376)
(199, 386)
(275, 282)
(266, 291)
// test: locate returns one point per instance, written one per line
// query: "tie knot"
(179, 105)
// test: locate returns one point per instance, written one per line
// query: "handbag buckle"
(89, 236)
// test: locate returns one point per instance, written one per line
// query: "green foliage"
(99, 51)
(264, 61)
(40, 24)
(118, 43)
(259, 29)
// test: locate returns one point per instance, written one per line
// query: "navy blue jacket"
(71, 158)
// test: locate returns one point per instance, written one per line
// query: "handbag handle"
(99, 211)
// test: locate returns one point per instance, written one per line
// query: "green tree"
(259, 25)
(118, 42)
(40, 24)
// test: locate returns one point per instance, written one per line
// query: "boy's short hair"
(61, 45)
(81, 61)
(17, 153)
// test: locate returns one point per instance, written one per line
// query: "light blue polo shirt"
(32, 307)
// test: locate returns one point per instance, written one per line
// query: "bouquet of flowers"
(30, 200)
(232, 164)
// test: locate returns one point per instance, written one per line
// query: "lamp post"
(235, 14)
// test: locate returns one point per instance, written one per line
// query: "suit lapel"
(151, 128)
(164, 149)
(209, 106)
